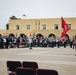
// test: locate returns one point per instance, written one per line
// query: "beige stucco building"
(42, 27)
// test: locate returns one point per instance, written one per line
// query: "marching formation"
(13, 42)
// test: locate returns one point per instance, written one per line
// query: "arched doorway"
(12, 35)
(40, 35)
(51, 35)
(23, 35)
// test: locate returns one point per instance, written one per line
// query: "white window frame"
(27, 27)
(69, 25)
(17, 27)
(44, 26)
(56, 26)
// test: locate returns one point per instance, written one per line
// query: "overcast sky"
(36, 9)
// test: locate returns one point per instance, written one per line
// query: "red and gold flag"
(65, 29)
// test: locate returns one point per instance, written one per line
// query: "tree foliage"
(13, 18)
(7, 26)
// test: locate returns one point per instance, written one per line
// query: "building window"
(27, 27)
(55, 26)
(17, 27)
(44, 27)
(69, 25)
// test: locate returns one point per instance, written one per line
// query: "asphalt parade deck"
(61, 59)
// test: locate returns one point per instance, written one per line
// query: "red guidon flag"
(65, 29)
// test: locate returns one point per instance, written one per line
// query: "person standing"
(58, 43)
(71, 42)
(18, 42)
(65, 43)
(74, 43)
(7, 42)
(1, 42)
(30, 43)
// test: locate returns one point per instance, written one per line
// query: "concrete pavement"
(61, 59)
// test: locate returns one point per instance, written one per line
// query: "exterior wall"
(3, 32)
(36, 27)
